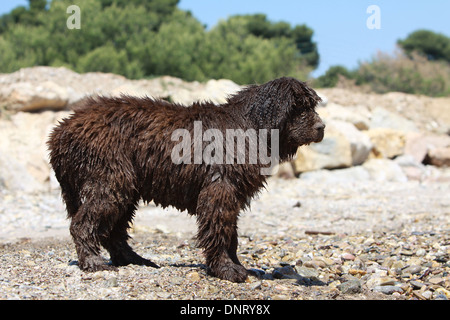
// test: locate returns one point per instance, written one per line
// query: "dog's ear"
(305, 96)
(270, 104)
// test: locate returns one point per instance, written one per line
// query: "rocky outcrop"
(333, 152)
(23, 151)
(362, 127)
(387, 143)
(42, 88)
(27, 96)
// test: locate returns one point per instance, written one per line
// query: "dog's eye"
(301, 113)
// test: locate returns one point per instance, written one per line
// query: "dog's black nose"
(319, 126)
(320, 131)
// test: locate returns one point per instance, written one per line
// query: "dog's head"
(288, 105)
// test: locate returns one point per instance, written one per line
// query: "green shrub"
(331, 77)
(398, 72)
(147, 38)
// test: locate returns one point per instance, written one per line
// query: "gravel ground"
(302, 239)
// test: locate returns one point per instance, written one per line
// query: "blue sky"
(340, 28)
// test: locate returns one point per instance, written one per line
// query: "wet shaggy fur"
(112, 152)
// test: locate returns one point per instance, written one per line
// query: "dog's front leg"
(217, 214)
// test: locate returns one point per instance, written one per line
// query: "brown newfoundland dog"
(207, 159)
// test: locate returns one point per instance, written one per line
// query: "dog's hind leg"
(116, 243)
(217, 214)
(102, 220)
(86, 230)
(71, 199)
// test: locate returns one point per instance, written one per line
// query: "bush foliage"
(146, 38)
(399, 72)
(421, 65)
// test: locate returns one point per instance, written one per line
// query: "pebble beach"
(302, 239)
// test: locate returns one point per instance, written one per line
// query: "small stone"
(280, 297)
(440, 296)
(443, 291)
(421, 252)
(308, 272)
(427, 294)
(164, 295)
(355, 272)
(416, 284)
(386, 281)
(412, 269)
(435, 264)
(315, 264)
(436, 280)
(280, 287)
(369, 241)
(287, 259)
(30, 263)
(415, 261)
(388, 289)
(350, 287)
(334, 284)
(348, 256)
(406, 252)
(160, 228)
(97, 275)
(256, 285)
(212, 289)
(112, 282)
(379, 280)
(176, 280)
(193, 276)
(328, 262)
(418, 295)
(398, 264)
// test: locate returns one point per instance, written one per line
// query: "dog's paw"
(94, 264)
(231, 272)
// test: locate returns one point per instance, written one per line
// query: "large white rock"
(373, 170)
(23, 150)
(355, 115)
(419, 145)
(382, 118)
(360, 143)
(387, 143)
(334, 151)
(385, 170)
(26, 96)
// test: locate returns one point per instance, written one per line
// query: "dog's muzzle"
(320, 131)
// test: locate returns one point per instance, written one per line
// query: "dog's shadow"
(262, 275)
(277, 273)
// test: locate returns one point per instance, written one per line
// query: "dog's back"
(127, 143)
